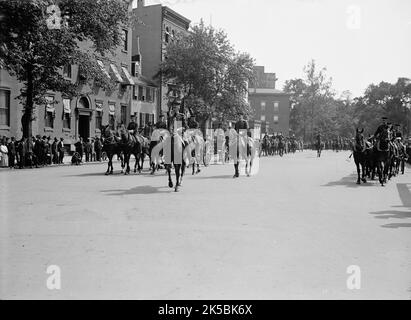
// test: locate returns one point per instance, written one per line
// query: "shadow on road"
(138, 190)
(226, 176)
(405, 196)
(351, 182)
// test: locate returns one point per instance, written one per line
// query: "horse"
(130, 144)
(111, 147)
(195, 150)
(250, 156)
(319, 146)
(174, 146)
(156, 148)
(358, 149)
(383, 156)
(281, 147)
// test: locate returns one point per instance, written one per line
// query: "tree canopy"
(315, 107)
(212, 76)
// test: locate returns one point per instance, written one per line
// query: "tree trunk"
(27, 118)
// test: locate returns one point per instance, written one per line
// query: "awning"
(111, 109)
(99, 106)
(116, 73)
(103, 69)
(66, 106)
(127, 75)
(50, 104)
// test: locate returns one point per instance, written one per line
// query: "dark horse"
(319, 146)
(111, 147)
(383, 155)
(130, 144)
(173, 155)
(359, 153)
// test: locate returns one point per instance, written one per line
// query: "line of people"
(31, 152)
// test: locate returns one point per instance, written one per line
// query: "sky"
(359, 42)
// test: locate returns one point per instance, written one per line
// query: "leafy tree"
(313, 102)
(212, 76)
(38, 39)
(384, 99)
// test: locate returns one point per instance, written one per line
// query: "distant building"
(271, 106)
(145, 92)
(158, 25)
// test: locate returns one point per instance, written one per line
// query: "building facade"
(158, 26)
(81, 116)
(271, 106)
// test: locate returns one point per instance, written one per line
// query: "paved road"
(290, 231)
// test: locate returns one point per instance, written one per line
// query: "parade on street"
(205, 150)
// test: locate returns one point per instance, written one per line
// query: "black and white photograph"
(224, 150)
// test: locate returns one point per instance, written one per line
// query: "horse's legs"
(170, 182)
(357, 164)
(177, 168)
(363, 167)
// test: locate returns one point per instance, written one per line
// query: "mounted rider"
(241, 124)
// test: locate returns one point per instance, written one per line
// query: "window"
(141, 93)
(123, 114)
(262, 117)
(262, 105)
(66, 121)
(142, 118)
(275, 119)
(149, 94)
(135, 92)
(99, 120)
(4, 107)
(49, 121)
(67, 70)
(167, 35)
(276, 106)
(66, 114)
(125, 39)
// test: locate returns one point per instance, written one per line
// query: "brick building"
(271, 106)
(158, 25)
(81, 116)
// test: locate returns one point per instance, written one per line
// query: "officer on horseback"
(381, 128)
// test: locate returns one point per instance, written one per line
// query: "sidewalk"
(67, 162)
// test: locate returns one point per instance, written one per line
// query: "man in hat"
(98, 146)
(382, 127)
(61, 149)
(161, 123)
(177, 119)
(239, 127)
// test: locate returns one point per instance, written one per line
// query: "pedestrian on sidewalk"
(4, 153)
(87, 149)
(61, 149)
(11, 146)
(80, 148)
(54, 151)
(98, 147)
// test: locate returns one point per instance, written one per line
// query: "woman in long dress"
(4, 159)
